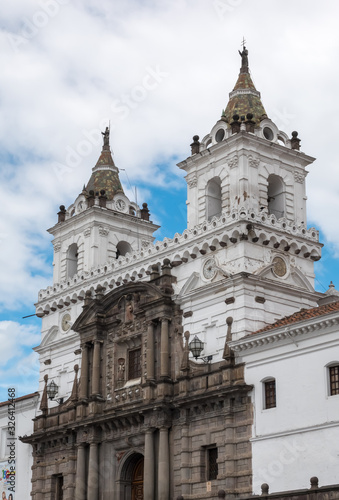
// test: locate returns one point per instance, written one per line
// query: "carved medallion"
(279, 267)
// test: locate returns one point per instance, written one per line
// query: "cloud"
(19, 365)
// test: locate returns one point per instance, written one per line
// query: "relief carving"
(103, 231)
(232, 161)
(299, 177)
(192, 181)
(121, 369)
(253, 162)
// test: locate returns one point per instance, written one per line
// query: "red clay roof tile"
(302, 315)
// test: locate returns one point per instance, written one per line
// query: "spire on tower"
(105, 174)
(244, 98)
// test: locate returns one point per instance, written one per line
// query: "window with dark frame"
(134, 364)
(212, 463)
(270, 394)
(334, 380)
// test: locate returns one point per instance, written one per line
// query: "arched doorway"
(138, 480)
(131, 478)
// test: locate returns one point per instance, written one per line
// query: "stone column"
(84, 373)
(93, 473)
(96, 369)
(164, 349)
(185, 460)
(80, 480)
(163, 470)
(149, 466)
(150, 352)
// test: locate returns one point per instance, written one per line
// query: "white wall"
(25, 411)
(300, 437)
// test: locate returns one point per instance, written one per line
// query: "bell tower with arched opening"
(101, 225)
(249, 177)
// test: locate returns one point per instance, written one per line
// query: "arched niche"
(72, 260)
(213, 198)
(123, 248)
(276, 196)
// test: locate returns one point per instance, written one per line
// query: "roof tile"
(302, 315)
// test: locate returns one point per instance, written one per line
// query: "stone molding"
(225, 228)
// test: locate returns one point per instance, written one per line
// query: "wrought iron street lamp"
(196, 346)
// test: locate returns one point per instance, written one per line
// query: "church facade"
(142, 340)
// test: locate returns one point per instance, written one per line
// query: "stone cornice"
(95, 211)
(226, 229)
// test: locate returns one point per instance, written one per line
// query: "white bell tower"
(251, 176)
(101, 225)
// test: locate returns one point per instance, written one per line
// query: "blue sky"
(159, 73)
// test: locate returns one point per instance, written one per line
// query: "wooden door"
(138, 481)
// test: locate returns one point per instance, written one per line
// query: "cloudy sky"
(158, 72)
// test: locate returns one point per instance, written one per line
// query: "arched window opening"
(123, 248)
(276, 196)
(213, 198)
(72, 260)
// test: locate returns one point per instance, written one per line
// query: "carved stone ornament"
(232, 161)
(87, 232)
(253, 162)
(57, 246)
(279, 267)
(209, 269)
(192, 181)
(299, 177)
(103, 231)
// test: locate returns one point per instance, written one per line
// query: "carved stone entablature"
(253, 162)
(57, 246)
(103, 231)
(232, 161)
(160, 417)
(192, 180)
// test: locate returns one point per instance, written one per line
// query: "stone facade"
(166, 418)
